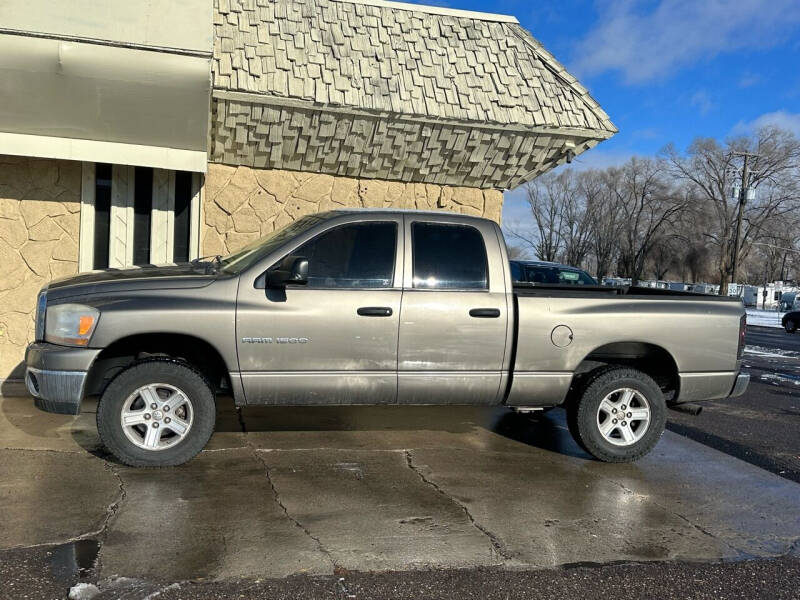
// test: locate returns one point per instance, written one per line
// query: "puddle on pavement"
(74, 561)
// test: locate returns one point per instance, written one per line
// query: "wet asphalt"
(763, 426)
(385, 503)
(29, 574)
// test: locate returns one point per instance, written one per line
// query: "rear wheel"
(790, 326)
(156, 414)
(619, 415)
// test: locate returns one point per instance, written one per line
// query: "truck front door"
(334, 340)
(454, 315)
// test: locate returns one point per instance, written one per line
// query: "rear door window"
(448, 257)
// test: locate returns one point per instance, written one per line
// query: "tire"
(790, 326)
(178, 388)
(611, 386)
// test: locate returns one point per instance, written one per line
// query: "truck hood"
(185, 275)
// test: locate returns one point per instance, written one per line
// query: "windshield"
(558, 275)
(254, 251)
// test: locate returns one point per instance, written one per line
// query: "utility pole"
(742, 199)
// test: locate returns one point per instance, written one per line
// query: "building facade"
(157, 131)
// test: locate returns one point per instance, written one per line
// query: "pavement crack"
(497, 545)
(286, 512)
(240, 417)
(793, 550)
(685, 519)
(98, 534)
(50, 450)
(111, 511)
(112, 508)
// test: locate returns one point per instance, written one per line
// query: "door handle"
(375, 311)
(485, 313)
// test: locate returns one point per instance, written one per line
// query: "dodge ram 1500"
(373, 307)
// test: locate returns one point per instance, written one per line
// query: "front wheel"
(156, 414)
(790, 326)
(619, 416)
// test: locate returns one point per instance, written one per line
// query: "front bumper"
(56, 376)
(740, 385)
(56, 391)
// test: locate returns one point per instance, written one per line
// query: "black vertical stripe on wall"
(102, 215)
(183, 204)
(142, 211)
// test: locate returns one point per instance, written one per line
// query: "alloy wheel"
(156, 416)
(623, 417)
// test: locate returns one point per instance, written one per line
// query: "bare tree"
(576, 230)
(604, 224)
(516, 252)
(774, 256)
(546, 199)
(694, 261)
(647, 206)
(663, 256)
(712, 171)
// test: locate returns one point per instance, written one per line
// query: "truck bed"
(559, 327)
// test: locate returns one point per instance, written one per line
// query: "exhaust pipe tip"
(688, 408)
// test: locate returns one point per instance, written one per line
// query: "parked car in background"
(788, 301)
(790, 321)
(535, 271)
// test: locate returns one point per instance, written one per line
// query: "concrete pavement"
(763, 426)
(327, 490)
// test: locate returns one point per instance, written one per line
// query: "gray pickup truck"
(373, 307)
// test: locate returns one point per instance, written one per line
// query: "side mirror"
(292, 270)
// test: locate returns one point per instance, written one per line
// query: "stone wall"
(39, 223)
(242, 204)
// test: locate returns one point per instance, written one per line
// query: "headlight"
(70, 324)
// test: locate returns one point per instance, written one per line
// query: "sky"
(666, 71)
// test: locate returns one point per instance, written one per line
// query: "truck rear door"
(454, 312)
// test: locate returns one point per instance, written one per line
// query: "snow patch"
(83, 591)
(779, 378)
(764, 318)
(173, 586)
(771, 352)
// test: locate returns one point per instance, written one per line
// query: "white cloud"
(702, 101)
(749, 79)
(646, 43)
(779, 118)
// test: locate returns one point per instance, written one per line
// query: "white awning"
(69, 90)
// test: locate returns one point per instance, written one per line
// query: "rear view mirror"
(292, 270)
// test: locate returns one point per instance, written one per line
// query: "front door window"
(361, 255)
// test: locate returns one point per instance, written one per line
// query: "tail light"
(742, 331)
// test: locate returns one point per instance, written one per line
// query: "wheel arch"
(652, 359)
(126, 351)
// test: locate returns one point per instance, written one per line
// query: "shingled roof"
(381, 89)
